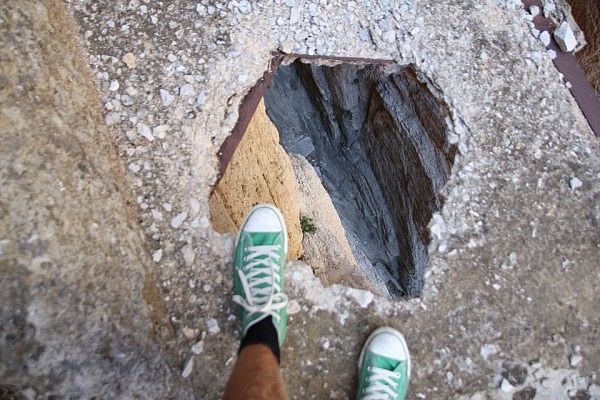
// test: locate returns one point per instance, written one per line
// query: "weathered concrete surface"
(521, 146)
(587, 15)
(80, 313)
(259, 172)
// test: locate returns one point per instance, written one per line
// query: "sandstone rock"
(259, 172)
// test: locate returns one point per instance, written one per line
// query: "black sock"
(263, 332)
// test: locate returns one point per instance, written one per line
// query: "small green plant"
(307, 225)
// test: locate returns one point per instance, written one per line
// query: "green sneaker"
(383, 366)
(259, 261)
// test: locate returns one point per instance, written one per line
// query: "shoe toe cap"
(264, 219)
(389, 345)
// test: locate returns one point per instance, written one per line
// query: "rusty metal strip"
(247, 109)
(586, 96)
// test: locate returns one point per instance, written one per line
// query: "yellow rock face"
(259, 172)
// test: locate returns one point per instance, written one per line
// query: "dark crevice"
(379, 143)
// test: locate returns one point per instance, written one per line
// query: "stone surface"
(565, 37)
(559, 12)
(327, 250)
(259, 172)
(521, 139)
(81, 312)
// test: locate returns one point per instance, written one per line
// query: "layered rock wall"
(378, 143)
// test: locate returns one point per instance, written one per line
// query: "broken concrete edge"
(251, 100)
(566, 63)
(585, 95)
(247, 109)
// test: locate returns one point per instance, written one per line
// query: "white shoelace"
(382, 384)
(269, 299)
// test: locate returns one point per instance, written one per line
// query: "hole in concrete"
(362, 151)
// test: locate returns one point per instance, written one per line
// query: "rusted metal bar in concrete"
(247, 109)
(586, 96)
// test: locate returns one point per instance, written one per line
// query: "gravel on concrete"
(521, 138)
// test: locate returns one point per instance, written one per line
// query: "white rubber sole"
(279, 215)
(387, 330)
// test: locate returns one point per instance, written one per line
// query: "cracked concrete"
(514, 256)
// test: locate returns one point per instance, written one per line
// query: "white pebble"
(575, 360)
(189, 366)
(135, 168)
(565, 37)
(160, 131)
(575, 183)
(295, 15)
(112, 118)
(545, 38)
(198, 347)
(129, 60)
(188, 254)
(157, 255)
(157, 215)
(245, 7)
(201, 9)
(534, 10)
(114, 86)
(213, 326)
(506, 386)
(488, 350)
(293, 307)
(201, 99)
(186, 90)
(389, 36)
(144, 130)
(166, 97)
(178, 219)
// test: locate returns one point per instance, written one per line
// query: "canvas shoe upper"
(384, 366)
(259, 263)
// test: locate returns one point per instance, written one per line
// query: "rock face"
(378, 142)
(259, 172)
(327, 250)
(79, 312)
(587, 15)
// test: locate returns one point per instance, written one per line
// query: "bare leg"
(255, 376)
